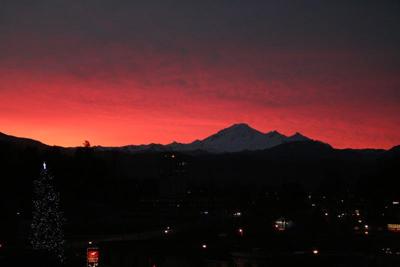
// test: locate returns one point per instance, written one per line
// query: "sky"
(118, 72)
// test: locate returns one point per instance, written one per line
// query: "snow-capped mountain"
(236, 138)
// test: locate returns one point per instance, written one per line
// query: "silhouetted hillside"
(96, 180)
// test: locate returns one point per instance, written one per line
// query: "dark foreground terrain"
(297, 204)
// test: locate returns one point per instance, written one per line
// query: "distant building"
(283, 224)
(393, 227)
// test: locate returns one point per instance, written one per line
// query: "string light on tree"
(47, 222)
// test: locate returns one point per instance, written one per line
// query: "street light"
(240, 230)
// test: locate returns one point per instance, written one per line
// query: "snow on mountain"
(238, 137)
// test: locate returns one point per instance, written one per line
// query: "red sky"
(64, 81)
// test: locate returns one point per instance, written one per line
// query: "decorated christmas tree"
(47, 222)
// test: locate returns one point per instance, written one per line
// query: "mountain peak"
(298, 137)
(240, 137)
(240, 126)
(239, 130)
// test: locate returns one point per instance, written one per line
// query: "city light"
(240, 231)
(237, 214)
(315, 251)
(167, 230)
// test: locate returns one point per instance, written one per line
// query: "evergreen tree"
(47, 222)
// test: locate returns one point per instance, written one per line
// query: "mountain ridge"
(239, 137)
(235, 138)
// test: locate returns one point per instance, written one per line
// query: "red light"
(92, 255)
